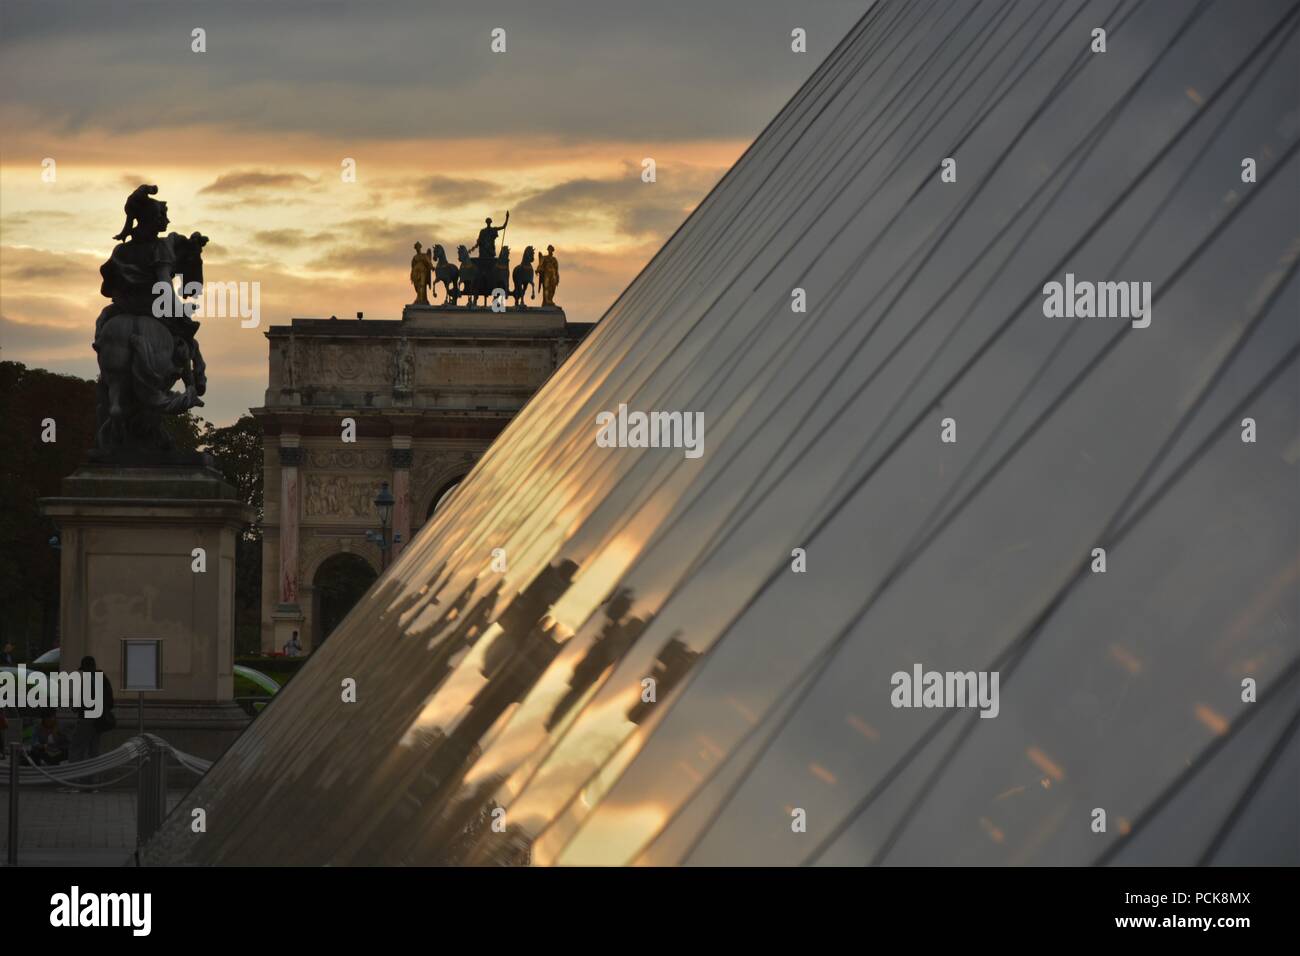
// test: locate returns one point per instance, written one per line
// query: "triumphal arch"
(427, 393)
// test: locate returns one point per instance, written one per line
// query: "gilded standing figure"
(548, 273)
(421, 275)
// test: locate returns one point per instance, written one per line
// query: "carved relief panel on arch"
(340, 496)
(371, 459)
(332, 363)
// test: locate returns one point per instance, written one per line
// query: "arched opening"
(338, 585)
(444, 493)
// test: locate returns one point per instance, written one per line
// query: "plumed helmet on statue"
(140, 207)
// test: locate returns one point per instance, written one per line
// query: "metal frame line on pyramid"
(1268, 39)
(1225, 85)
(840, 138)
(1016, 654)
(1115, 110)
(1005, 662)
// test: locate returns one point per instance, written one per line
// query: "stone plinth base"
(149, 552)
(151, 458)
(100, 484)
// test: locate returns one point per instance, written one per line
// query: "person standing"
(85, 735)
(293, 647)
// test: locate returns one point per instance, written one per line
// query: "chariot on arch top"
(479, 270)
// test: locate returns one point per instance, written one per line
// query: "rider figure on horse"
(134, 268)
(137, 369)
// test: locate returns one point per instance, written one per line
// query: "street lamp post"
(384, 502)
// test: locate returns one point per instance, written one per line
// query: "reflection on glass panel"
(1263, 828)
(693, 660)
(1152, 679)
(1200, 812)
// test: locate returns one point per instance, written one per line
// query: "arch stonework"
(325, 548)
(318, 623)
(427, 394)
(433, 473)
(439, 491)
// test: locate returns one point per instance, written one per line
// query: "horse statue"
(468, 275)
(523, 276)
(500, 276)
(446, 273)
(145, 339)
(479, 278)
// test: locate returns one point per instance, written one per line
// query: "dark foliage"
(31, 469)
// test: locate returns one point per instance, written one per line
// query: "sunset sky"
(246, 142)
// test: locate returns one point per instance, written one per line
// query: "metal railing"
(146, 754)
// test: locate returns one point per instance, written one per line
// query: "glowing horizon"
(246, 140)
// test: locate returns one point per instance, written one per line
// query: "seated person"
(49, 744)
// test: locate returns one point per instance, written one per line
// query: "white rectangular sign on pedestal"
(141, 664)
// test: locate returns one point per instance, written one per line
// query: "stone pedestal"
(128, 535)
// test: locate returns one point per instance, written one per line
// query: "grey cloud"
(638, 209)
(52, 270)
(451, 191)
(291, 238)
(369, 243)
(403, 69)
(21, 337)
(19, 263)
(253, 180)
(34, 217)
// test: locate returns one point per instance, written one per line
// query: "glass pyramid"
(829, 537)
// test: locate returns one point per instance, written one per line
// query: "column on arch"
(400, 458)
(290, 498)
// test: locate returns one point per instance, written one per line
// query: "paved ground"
(74, 829)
